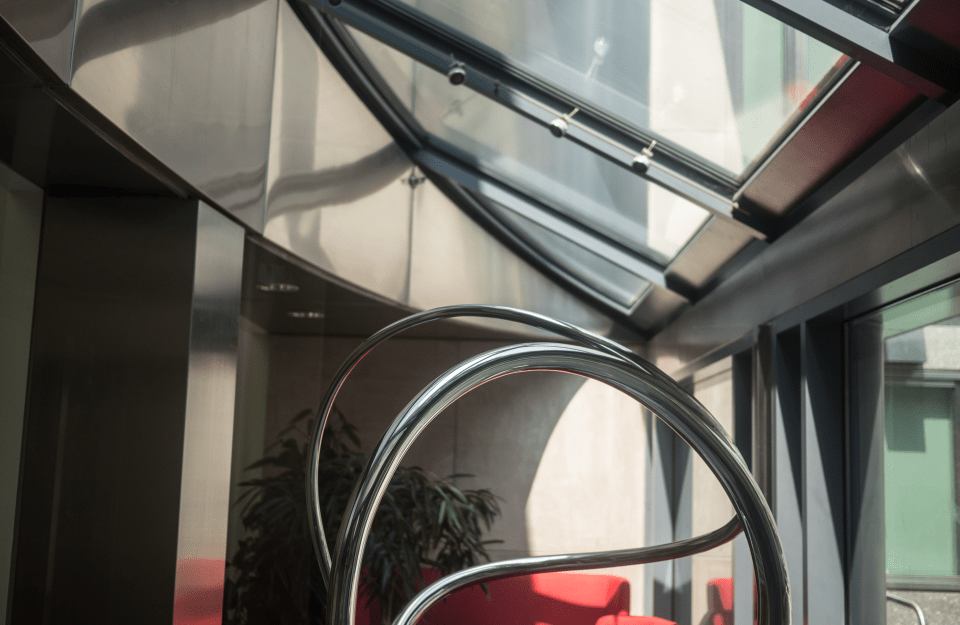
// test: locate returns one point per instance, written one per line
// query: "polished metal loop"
(560, 328)
(567, 562)
(687, 417)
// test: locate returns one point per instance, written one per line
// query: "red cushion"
(624, 619)
(544, 598)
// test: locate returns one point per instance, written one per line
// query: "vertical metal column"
(866, 564)
(787, 501)
(743, 381)
(821, 355)
(122, 505)
(208, 420)
(661, 512)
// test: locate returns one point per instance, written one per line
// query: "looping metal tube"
(560, 328)
(567, 562)
(662, 396)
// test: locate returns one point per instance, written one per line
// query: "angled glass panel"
(613, 201)
(613, 281)
(716, 77)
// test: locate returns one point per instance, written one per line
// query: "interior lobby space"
(661, 272)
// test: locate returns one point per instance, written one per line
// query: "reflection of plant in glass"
(421, 521)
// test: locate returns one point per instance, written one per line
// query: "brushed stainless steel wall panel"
(337, 193)
(190, 81)
(455, 261)
(907, 198)
(47, 25)
(208, 421)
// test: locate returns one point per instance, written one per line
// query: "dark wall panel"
(100, 493)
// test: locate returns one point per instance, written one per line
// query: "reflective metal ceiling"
(629, 146)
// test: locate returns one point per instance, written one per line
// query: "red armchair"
(540, 599)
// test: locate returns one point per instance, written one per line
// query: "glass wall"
(916, 345)
(703, 584)
(711, 578)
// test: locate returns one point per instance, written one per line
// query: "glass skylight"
(716, 77)
(620, 285)
(587, 188)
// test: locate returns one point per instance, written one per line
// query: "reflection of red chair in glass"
(198, 598)
(719, 601)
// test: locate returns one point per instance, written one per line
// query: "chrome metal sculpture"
(596, 358)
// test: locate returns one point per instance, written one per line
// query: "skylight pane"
(714, 76)
(620, 285)
(615, 202)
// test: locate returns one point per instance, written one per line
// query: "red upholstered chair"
(540, 599)
(720, 601)
(626, 619)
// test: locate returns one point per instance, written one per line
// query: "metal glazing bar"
(493, 190)
(875, 46)
(568, 118)
(670, 168)
(665, 398)
(417, 607)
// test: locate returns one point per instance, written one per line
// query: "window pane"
(711, 594)
(618, 284)
(905, 386)
(588, 188)
(714, 76)
(920, 492)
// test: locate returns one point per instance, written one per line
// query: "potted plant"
(422, 521)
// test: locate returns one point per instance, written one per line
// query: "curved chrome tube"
(560, 328)
(568, 562)
(910, 604)
(629, 374)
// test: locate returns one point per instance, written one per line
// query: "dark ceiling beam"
(912, 54)
(867, 116)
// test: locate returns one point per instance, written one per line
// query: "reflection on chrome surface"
(603, 360)
(192, 84)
